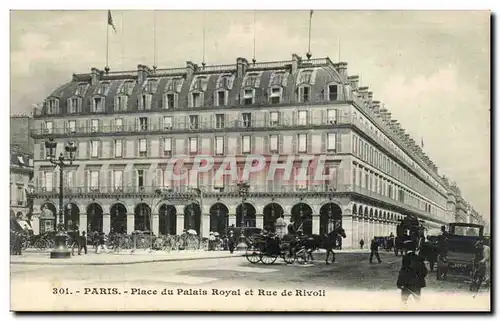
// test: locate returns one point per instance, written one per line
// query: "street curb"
(126, 263)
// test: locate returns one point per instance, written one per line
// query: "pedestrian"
(102, 243)
(82, 243)
(361, 243)
(374, 251)
(231, 242)
(211, 242)
(411, 278)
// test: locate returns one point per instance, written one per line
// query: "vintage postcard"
(250, 160)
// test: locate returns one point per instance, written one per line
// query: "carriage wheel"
(268, 258)
(330, 258)
(288, 258)
(252, 255)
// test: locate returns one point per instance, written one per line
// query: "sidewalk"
(124, 257)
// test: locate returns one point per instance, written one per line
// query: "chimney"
(370, 97)
(353, 81)
(376, 106)
(94, 76)
(241, 67)
(342, 69)
(190, 69)
(296, 59)
(142, 74)
(363, 91)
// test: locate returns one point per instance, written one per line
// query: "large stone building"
(20, 126)
(127, 125)
(21, 182)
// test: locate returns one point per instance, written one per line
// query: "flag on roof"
(110, 20)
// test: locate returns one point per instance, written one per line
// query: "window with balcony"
(70, 179)
(248, 97)
(143, 124)
(302, 118)
(221, 98)
(49, 127)
(119, 124)
(141, 178)
(72, 126)
(121, 103)
(94, 145)
(94, 180)
(273, 144)
(52, 106)
(193, 122)
(98, 105)
(332, 116)
(195, 99)
(247, 120)
(193, 145)
(143, 147)
(275, 96)
(167, 180)
(219, 121)
(331, 142)
(302, 143)
(167, 122)
(117, 180)
(300, 182)
(275, 118)
(333, 93)
(73, 105)
(170, 101)
(94, 125)
(118, 148)
(218, 181)
(304, 94)
(219, 145)
(245, 144)
(48, 180)
(167, 146)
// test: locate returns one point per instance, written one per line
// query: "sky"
(430, 68)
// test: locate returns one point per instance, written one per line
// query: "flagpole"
(154, 40)
(309, 46)
(107, 41)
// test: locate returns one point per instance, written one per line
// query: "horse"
(326, 241)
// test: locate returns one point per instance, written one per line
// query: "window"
(275, 96)
(218, 180)
(219, 121)
(143, 124)
(245, 144)
(331, 144)
(95, 148)
(72, 126)
(145, 102)
(300, 183)
(49, 181)
(221, 98)
(193, 145)
(82, 88)
(103, 88)
(48, 127)
(167, 122)
(166, 179)
(94, 180)
(52, 106)
(219, 145)
(20, 195)
(152, 85)
(304, 93)
(332, 116)
(354, 172)
(193, 122)
(143, 148)
(248, 97)
(354, 144)
(94, 125)
(118, 124)
(140, 178)
(302, 121)
(302, 148)
(117, 180)
(275, 118)
(167, 146)
(73, 105)
(333, 92)
(247, 120)
(70, 178)
(169, 101)
(273, 143)
(196, 99)
(98, 105)
(118, 148)
(121, 103)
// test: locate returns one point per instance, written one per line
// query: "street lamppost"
(243, 188)
(60, 251)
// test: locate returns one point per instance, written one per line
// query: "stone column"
(205, 225)
(315, 224)
(106, 223)
(180, 223)
(347, 225)
(366, 225)
(259, 220)
(35, 224)
(130, 223)
(155, 228)
(355, 232)
(83, 222)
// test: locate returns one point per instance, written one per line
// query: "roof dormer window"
(74, 105)
(305, 77)
(333, 92)
(81, 89)
(174, 85)
(249, 96)
(121, 102)
(127, 87)
(151, 86)
(275, 95)
(304, 94)
(52, 106)
(278, 79)
(103, 88)
(98, 104)
(220, 98)
(199, 83)
(252, 80)
(170, 100)
(196, 99)
(144, 102)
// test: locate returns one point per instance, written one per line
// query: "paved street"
(351, 272)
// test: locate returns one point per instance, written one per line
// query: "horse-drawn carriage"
(267, 248)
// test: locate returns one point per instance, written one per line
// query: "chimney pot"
(94, 76)
(241, 67)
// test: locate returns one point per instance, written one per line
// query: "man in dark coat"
(374, 251)
(412, 275)
(231, 242)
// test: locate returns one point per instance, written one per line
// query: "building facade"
(21, 182)
(128, 125)
(20, 126)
